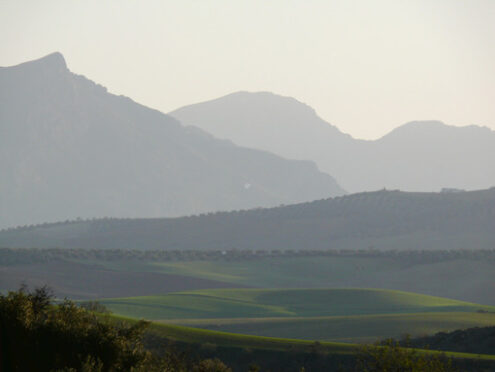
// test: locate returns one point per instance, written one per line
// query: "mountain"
(69, 149)
(418, 156)
(383, 219)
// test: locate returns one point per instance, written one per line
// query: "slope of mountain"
(418, 156)
(381, 219)
(69, 149)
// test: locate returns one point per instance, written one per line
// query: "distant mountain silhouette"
(382, 220)
(69, 149)
(418, 156)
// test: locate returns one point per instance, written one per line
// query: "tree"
(393, 358)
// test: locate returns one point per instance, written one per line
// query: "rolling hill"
(269, 303)
(382, 220)
(69, 148)
(347, 315)
(417, 156)
(86, 274)
(278, 354)
(351, 328)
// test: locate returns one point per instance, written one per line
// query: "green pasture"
(468, 280)
(209, 338)
(263, 303)
(355, 328)
(344, 315)
(306, 272)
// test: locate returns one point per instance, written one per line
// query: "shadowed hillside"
(480, 340)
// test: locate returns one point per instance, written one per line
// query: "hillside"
(280, 354)
(83, 273)
(472, 340)
(418, 156)
(382, 220)
(64, 336)
(344, 315)
(283, 303)
(70, 149)
(351, 328)
(470, 276)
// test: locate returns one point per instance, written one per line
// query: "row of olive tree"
(12, 256)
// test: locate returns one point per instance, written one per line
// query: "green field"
(209, 338)
(347, 315)
(469, 280)
(262, 303)
(288, 272)
(78, 278)
(357, 328)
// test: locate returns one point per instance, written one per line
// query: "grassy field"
(464, 279)
(469, 280)
(262, 303)
(269, 272)
(216, 338)
(357, 328)
(347, 315)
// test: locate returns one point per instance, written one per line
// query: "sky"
(366, 66)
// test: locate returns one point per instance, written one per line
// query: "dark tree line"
(477, 340)
(12, 256)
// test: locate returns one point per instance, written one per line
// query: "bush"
(38, 336)
(211, 365)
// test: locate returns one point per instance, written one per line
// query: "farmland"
(348, 315)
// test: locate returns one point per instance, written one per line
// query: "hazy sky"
(366, 66)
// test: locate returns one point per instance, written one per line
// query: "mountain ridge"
(69, 149)
(406, 158)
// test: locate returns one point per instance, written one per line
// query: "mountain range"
(418, 156)
(69, 148)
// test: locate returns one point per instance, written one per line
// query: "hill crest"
(383, 220)
(417, 156)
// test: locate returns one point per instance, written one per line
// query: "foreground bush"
(38, 336)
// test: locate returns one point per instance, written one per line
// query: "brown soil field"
(84, 281)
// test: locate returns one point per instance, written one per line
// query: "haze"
(365, 66)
